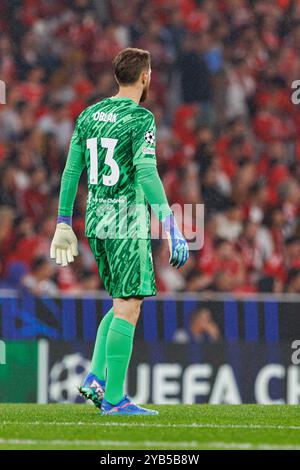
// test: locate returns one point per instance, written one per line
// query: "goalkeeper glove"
(179, 250)
(64, 245)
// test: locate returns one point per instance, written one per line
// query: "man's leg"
(94, 384)
(98, 365)
(119, 346)
(132, 277)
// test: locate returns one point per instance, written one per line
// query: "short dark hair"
(293, 274)
(38, 262)
(129, 64)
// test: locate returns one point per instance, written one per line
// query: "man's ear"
(144, 77)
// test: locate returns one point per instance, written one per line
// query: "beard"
(145, 93)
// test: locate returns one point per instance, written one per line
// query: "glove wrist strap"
(168, 223)
(67, 219)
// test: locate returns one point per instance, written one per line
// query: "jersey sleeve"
(152, 186)
(69, 182)
(143, 139)
(76, 140)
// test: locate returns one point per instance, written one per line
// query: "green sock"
(118, 352)
(98, 365)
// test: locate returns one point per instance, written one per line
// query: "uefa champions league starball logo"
(66, 376)
(149, 137)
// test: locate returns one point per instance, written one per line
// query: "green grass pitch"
(181, 427)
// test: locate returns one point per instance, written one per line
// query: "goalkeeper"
(114, 140)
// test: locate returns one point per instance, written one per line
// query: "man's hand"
(64, 245)
(179, 250)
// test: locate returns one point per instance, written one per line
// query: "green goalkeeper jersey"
(112, 139)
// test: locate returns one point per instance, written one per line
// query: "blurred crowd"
(228, 134)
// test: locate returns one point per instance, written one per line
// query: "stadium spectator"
(38, 280)
(293, 282)
(202, 328)
(228, 132)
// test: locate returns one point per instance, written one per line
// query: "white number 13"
(109, 144)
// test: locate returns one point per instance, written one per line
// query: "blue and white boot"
(125, 407)
(93, 389)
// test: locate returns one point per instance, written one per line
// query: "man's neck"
(129, 92)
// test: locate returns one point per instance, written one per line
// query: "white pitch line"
(151, 444)
(249, 446)
(155, 425)
(106, 443)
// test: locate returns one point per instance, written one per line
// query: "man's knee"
(129, 309)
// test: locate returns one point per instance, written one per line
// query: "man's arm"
(155, 194)
(64, 243)
(71, 175)
(148, 177)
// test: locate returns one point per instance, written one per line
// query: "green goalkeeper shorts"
(125, 266)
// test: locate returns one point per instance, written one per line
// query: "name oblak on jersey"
(105, 117)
